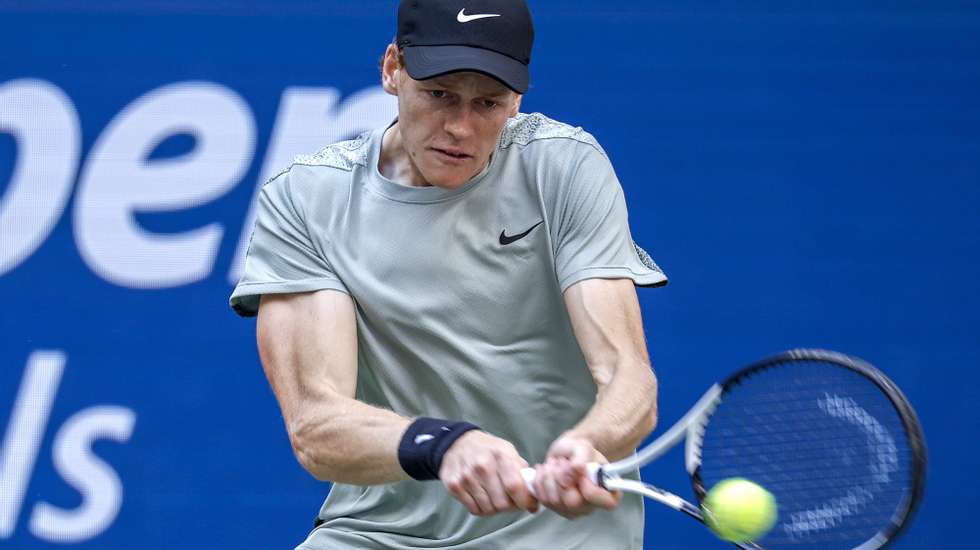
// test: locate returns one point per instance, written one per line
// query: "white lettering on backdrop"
(43, 122)
(76, 463)
(118, 180)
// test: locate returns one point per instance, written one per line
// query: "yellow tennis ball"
(738, 510)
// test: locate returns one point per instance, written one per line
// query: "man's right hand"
(484, 473)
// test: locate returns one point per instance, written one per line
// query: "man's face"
(449, 125)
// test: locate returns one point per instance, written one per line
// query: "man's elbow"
(650, 419)
(309, 449)
(650, 410)
(313, 463)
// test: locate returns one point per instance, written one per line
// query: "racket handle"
(592, 469)
(529, 475)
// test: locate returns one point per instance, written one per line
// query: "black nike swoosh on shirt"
(505, 240)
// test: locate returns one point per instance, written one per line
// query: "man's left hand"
(562, 482)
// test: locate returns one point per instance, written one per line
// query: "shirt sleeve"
(593, 238)
(281, 257)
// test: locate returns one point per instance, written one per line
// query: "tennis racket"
(830, 436)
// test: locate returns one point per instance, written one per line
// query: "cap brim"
(423, 62)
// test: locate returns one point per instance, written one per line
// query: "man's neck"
(394, 161)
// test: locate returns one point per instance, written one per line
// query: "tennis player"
(445, 300)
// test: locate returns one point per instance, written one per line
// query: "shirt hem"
(643, 279)
(244, 300)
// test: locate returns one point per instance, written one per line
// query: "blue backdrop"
(806, 172)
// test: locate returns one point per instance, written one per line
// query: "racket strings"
(826, 442)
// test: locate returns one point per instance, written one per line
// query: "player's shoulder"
(343, 155)
(538, 129)
(331, 166)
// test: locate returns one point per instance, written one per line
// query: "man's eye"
(489, 104)
(438, 94)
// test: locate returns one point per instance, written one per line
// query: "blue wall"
(808, 176)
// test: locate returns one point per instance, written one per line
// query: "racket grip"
(529, 475)
(593, 470)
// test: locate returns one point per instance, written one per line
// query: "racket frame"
(910, 422)
(691, 428)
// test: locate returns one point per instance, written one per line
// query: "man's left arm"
(606, 319)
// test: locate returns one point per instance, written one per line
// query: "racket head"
(834, 440)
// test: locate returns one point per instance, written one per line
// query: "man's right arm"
(308, 346)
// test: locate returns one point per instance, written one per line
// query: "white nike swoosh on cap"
(463, 18)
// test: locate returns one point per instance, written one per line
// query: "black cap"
(487, 36)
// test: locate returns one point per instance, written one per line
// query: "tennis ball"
(738, 510)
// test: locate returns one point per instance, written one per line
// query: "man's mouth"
(451, 153)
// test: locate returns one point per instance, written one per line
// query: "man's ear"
(516, 108)
(390, 70)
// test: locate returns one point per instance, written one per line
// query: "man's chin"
(448, 180)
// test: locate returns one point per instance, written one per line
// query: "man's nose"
(459, 122)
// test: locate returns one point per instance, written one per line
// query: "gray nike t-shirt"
(460, 315)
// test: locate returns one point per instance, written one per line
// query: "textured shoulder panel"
(646, 259)
(343, 155)
(525, 128)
